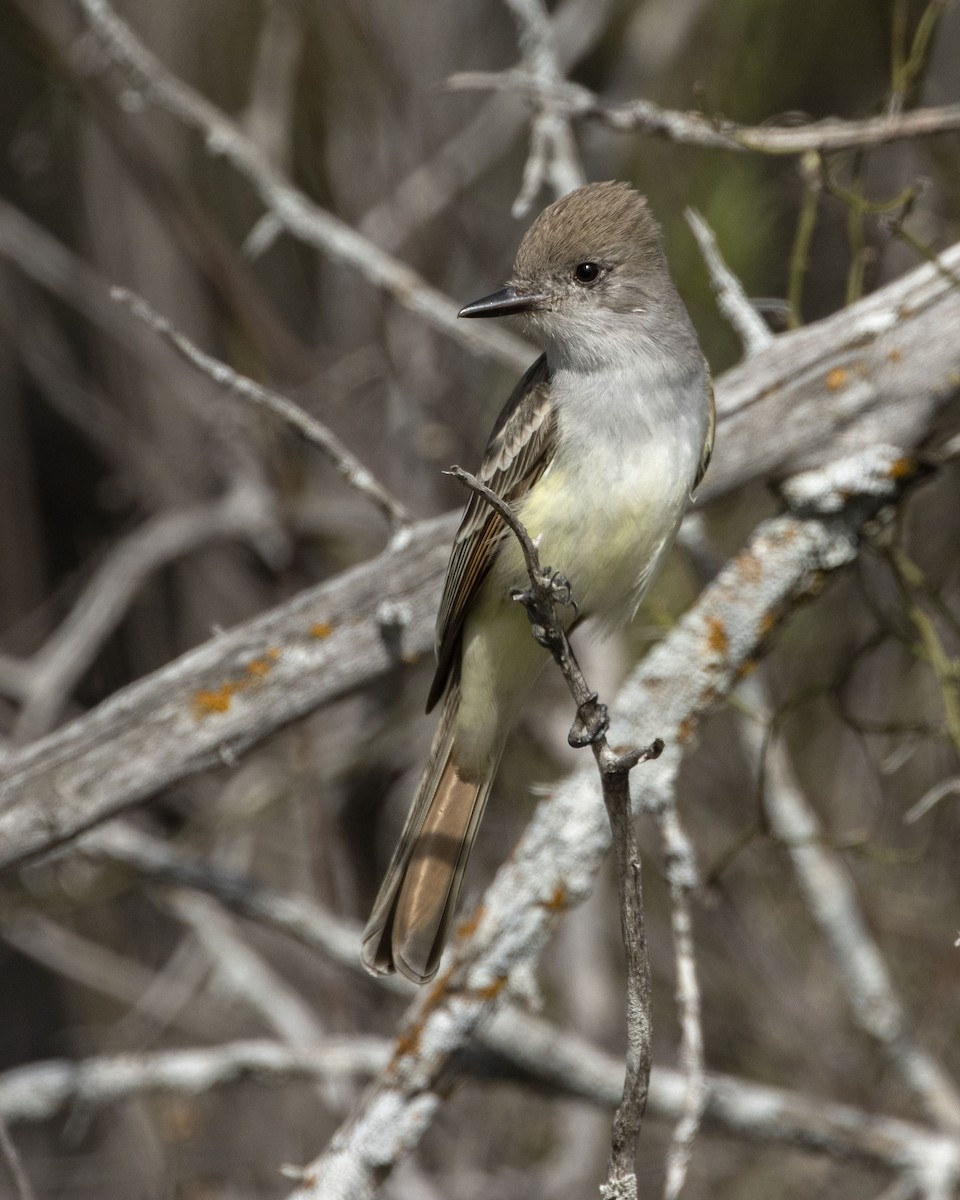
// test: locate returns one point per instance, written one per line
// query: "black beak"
(504, 303)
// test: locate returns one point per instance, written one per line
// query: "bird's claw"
(560, 588)
(590, 724)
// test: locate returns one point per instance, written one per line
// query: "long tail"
(415, 905)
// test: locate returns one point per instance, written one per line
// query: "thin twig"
(298, 214)
(553, 152)
(50, 676)
(681, 875)
(694, 129)
(810, 172)
(314, 431)
(8, 1152)
(732, 300)
(833, 904)
(546, 591)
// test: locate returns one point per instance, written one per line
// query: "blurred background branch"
(205, 627)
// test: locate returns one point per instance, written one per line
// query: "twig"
(832, 903)
(732, 300)
(49, 677)
(553, 151)
(268, 120)
(947, 787)
(314, 431)
(224, 696)
(681, 875)
(694, 129)
(8, 1152)
(810, 172)
(37, 1092)
(432, 187)
(298, 214)
(552, 1057)
(556, 860)
(546, 591)
(885, 367)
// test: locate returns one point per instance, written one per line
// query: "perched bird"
(599, 450)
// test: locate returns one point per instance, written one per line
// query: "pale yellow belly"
(607, 549)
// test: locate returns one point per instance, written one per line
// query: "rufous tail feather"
(412, 914)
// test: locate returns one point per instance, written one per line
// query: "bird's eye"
(586, 272)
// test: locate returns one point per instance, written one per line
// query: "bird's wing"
(520, 449)
(707, 452)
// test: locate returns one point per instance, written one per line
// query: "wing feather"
(520, 449)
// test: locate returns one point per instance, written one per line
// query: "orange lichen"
(322, 629)
(492, 990)
(407, 1042)
(558, 901)
(749, 566)
(902, 468)
(837, 379)
(468, 926)
(217, 701)
(717, 640)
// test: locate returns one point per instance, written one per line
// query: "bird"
(599, 450)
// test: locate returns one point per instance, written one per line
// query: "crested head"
(592, 284)
(606, 223)
(595, 267)
(597, 246)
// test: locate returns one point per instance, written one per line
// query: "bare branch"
(832, 902)
(554, 864)
(298, 214)
(886, 372)
(553, 152)
(541, 600)
(733, 1106)
(553, 1058)
(224, 696)
(49, 677)
(39, 1091)
(8, 1152)
(315, 432)
(882, 369)
(694, 129)
(681, 875)
(732, 300)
